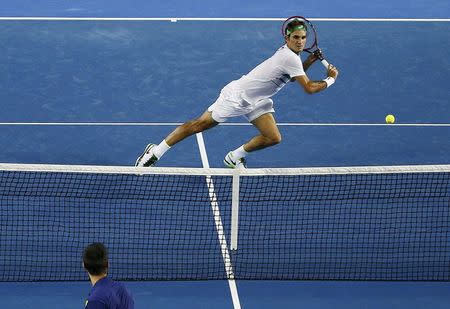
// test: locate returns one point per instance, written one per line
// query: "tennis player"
(250, 96)
(105, 293)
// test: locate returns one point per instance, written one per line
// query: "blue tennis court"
(95, 92)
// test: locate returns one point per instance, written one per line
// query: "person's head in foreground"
(95, 261)
(105, 293)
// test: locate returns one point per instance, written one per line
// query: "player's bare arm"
(311, 86)
(313, 57)
(309, 61)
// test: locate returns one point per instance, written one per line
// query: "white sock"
(239, 153)
(161, 149)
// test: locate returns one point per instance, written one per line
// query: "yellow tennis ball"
(390, 119)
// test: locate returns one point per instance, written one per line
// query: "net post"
(235, 210)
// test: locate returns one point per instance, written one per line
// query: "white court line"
(219, 226)
(287, 124)
(174, 19)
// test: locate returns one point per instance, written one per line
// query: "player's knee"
(273, 140)
(200, 125)
(276, 139)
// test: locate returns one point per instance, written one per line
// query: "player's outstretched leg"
(153, 153)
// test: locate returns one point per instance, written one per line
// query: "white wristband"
(329, 80)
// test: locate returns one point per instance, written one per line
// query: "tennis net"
(356, 223)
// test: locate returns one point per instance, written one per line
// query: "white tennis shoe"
(147, 158)
(230, 162)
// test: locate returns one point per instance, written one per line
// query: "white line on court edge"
(287, 124)
(175, 19)
(219, 225)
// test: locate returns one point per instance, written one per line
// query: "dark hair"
(95, 259)
(293, 25)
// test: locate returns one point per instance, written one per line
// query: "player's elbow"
(309, 89)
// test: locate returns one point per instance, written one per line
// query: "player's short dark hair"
(95, 259)
(296, 23)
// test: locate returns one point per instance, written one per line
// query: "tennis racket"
(311, 40)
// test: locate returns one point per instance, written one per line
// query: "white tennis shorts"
(225, 108)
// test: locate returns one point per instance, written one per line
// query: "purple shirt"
(109, 294)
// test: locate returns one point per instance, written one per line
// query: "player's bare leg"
(200, 124)
(269, 136)
(269, 133)
(153, 153)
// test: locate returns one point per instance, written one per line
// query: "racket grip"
(325, 63)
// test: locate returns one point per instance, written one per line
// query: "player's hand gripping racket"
(311, 39)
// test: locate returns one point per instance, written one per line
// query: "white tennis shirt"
(267, 78)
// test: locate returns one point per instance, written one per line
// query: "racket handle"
(325, 63)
